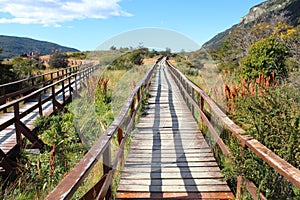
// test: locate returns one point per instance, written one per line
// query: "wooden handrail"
(38, 76)
(32, 83)
(122, 126)
(15, 104)
(278, 164)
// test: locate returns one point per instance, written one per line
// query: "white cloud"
(54, 12)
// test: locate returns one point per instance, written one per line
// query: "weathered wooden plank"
(167, 188)
(167, 160)
(158, 175)
(173, 151)
(173, 182)
(175, 195)
(167, 143)
(172, 164)
(171, 169)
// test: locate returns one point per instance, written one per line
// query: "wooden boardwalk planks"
(169, 157)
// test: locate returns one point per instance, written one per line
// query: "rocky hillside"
(14, 46)
(262, 12)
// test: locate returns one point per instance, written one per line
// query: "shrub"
(58, 60)
(265, 56)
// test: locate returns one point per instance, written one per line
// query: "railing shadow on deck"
(63, 85)
(197, 99)
(120, 128)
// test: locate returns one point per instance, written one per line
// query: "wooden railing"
(17, 89)
(63, 87)
(197, 100)
(120, 128)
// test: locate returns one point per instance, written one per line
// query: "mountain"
(14, 46)
(261, 12)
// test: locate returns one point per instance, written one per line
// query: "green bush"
(265, 56)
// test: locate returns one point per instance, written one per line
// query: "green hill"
(13, 46)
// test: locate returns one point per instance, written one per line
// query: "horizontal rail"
(121, 126)
(22, 87)
(57, 88)
(189, 90)
(38, 76)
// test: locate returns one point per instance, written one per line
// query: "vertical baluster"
(4, 98)
(240, 177)
(44, 83)
(32, 81)
(53, 97)
(70, 86)
(120, 138)
(202, 110)
(21, 87)
(193, 98)
(51, 77)
(17, 124)
(107, 166)
(132, 108)
(63, 87)
(76, 84)
(57, 75)
(40, 104)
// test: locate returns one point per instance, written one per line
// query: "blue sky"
(85, 24)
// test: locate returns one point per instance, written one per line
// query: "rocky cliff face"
(263, 11)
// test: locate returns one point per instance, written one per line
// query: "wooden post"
(57, 75)
(193, 97)
(70, 87)
(53, 97)
(202, 110)
(120, 139)
(240, 177)
(40, 104)
(21, 87)
(51, 77)
(107, 167)
(187, 98)
(63, 87)
(17, 124)
(44, 84)
(76, 84)
(132, 108)
(4, 98)
(139, 95)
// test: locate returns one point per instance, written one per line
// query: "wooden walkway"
(17, 116)
(169, 157)
(8, 139)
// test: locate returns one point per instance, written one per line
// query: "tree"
(136, 57)
(58, 60)
(22, 67)
(265, 56)
(113, 48)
